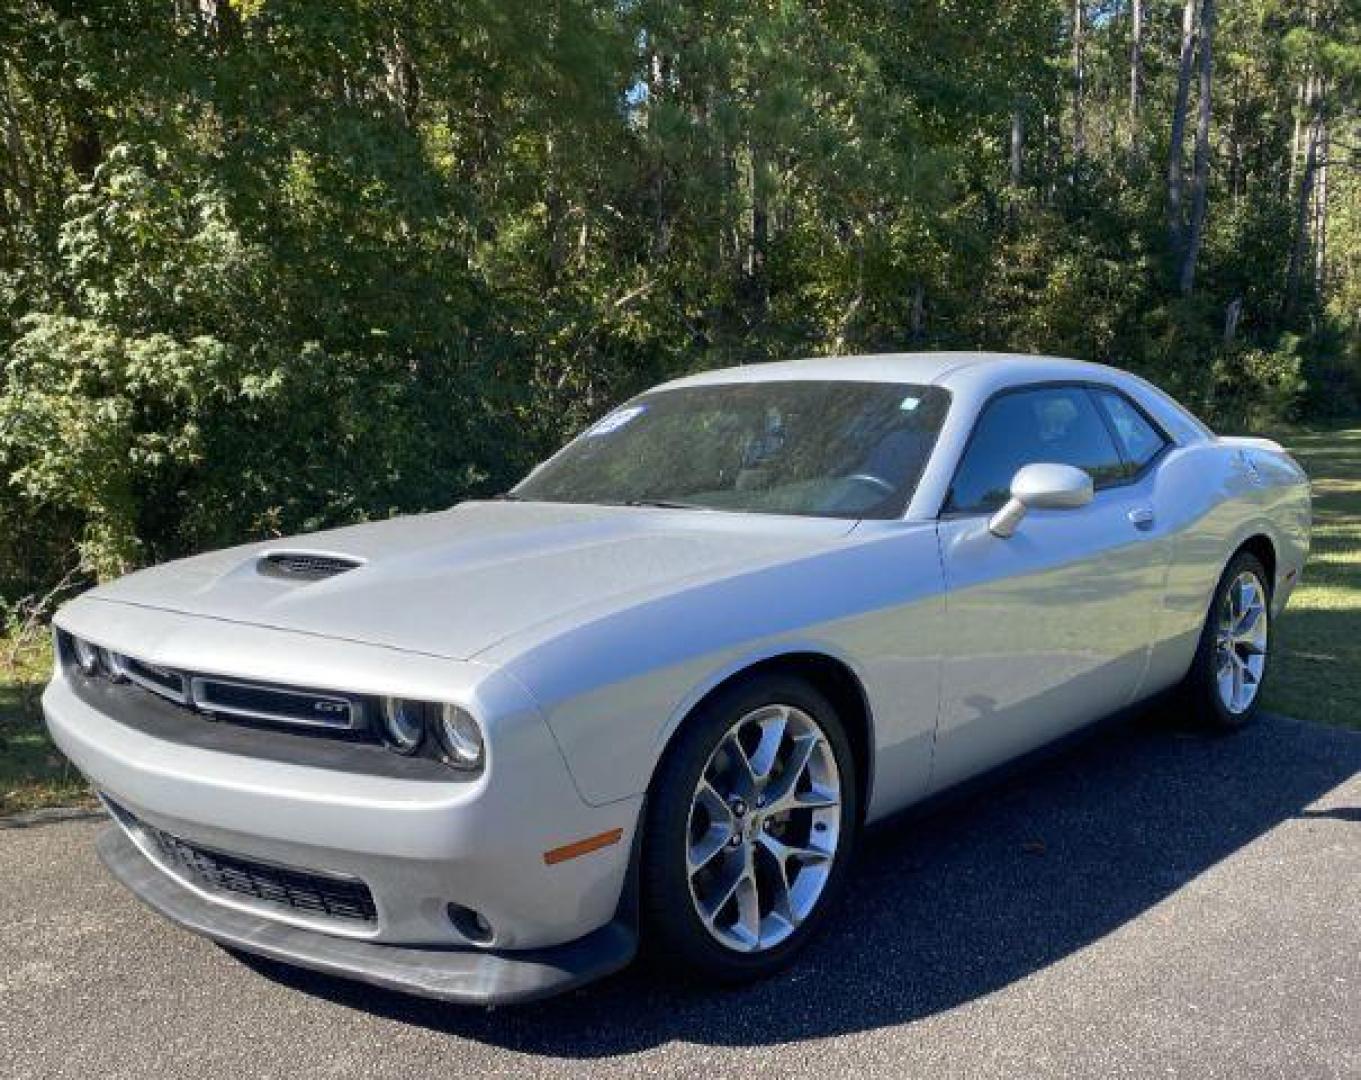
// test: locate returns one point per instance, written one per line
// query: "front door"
(1049, 628)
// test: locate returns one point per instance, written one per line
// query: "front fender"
(614, 689)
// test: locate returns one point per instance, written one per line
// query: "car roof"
(947, 369)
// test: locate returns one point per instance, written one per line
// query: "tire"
(689, 828)
(1215, 703)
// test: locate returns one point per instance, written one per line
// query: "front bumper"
(483, 977)
(419, 845)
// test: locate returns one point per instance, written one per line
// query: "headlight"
(404, 723)
(89, 658)
(460, 738)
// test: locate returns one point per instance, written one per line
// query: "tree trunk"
(1236, 126)
(1051, 156)
(1200, 179)
(758, 240)
(1300, 248)
(1079, 82)
(1321, 212)
(553, 217)
(1301, 108)
(1305, 114)
(1017, 142)
(1136, 71)
(1175, 178)
(1233, 314)
(404, 85)
(661, 221)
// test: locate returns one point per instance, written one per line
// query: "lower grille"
(300, 891)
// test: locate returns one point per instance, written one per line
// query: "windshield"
(827, 449)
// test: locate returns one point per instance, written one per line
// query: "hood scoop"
(305, 565)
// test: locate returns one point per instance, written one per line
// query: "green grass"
(1316, 673)
(33, 773)
(1317, 663)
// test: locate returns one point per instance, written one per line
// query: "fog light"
(460, 738)
(404, 722)
(471, 924)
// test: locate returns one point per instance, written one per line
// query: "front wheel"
(1224, 685)
(750, 828)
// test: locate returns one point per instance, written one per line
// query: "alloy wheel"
(764, 825)
(1241, 642)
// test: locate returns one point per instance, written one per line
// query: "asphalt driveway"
(1151, 903)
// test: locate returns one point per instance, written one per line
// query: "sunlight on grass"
(32, 772)
(1318, 645)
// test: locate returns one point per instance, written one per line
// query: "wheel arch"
(833, 677)
(1263, 549)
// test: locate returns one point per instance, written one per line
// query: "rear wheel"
(750, 828)
(1224, 684)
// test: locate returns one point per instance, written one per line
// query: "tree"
(1136, 71)
(1176, 144)
(1200, 178)
(271, 266)
(1079, 81)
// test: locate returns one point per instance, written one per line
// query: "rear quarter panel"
(1214, 496)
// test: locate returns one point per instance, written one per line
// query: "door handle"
(1141, 517)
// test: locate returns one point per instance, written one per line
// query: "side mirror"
(1041, 487)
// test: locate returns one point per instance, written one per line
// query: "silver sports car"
(655, 691)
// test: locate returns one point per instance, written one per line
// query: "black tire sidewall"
(673, 932)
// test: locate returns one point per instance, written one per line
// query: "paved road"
(1152, 903)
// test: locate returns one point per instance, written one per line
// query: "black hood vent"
(305, 566)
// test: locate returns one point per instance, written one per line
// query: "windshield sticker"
(910, 403)
(615, 421)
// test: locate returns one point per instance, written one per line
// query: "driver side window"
(1057, 425)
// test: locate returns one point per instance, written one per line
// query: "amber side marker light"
(582, 847)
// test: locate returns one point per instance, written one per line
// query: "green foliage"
(270, 265)
(1257, 387)
(97, 422)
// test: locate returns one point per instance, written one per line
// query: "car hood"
(456, 583)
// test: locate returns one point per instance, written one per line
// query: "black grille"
(338, 715)
(253, 701)
(296, 890)
(299, 566)
(159, 680)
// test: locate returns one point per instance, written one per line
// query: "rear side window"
(1139, 440)
(1058, 425)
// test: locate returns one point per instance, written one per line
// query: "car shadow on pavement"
(945, 908)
